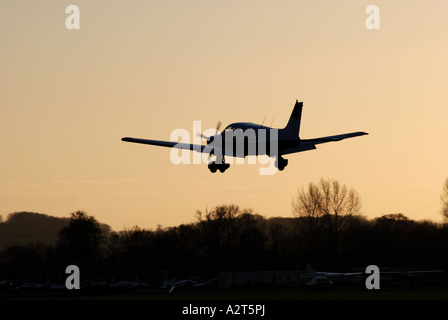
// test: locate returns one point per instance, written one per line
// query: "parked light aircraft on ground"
(256, 140)
(345, 277)
(389, 278)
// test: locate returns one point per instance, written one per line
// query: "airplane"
(173, 284)
(334, 276)
(389, 278)
(31, 286)
(125, 284)
(288, 141)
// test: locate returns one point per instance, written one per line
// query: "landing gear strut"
(223, 166)
(281, 163)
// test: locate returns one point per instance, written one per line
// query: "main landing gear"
(223, 166)
(281, 163)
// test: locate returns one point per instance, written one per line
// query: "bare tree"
(444, 199)
(306, 208)
(326, 206)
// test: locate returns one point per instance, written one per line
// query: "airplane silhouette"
(251, 136)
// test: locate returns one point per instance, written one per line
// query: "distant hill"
(23, 228)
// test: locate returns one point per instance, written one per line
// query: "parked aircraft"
(257, 140)
(32, 285)
(346, 277)
(388, 277)
(318, 283)
(173, 284)
(125, 284)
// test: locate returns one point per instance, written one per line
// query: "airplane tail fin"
(309, 271)
(293, 127)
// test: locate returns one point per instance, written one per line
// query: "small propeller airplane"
(287, 141)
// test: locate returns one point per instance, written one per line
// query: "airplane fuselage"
(241, 139)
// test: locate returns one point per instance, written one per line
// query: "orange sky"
(145, 68)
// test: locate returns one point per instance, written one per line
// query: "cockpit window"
(232, 127)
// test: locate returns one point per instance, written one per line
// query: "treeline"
(228, 238)
(25, 228)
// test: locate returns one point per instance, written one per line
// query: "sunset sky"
(144, 68)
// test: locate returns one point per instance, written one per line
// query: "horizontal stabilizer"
(300, 148)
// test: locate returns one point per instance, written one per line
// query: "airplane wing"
(337, 137)
(310, 144)
(305, 144)
(171, 144)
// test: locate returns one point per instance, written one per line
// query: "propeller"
(217, 130)
(207, 138)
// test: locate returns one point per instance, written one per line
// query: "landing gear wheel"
(212, 166)
(222, 167)
(281, 163)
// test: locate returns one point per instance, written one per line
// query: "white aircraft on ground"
(252, 136)
(334, 276)
(388, 277)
